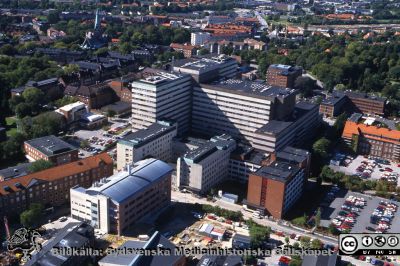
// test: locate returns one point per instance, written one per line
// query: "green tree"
(287, 241)
(316, 243)
(65, 100)
(320, 148)
(70, 69)
(300, 221)
(318, 218)
(306, 86)
(49, 123)
(84, 144)
(34, 97)
(258, 234)
(394, 73)
(8, 49)
(40, 165)
(23, 109)
(338, 126)
(204, 51)
(53, 17)
(31, 217)
(296, 261)
(111, 113)
(305, 242)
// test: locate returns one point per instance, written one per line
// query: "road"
(188, 198)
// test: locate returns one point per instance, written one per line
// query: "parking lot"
(362, 217)
(368, 168)
(99, 139)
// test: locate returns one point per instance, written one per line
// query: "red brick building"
(187, 49)
(121, 87)
(51, 187)
(275, 188)
(282, 75)
(94, 96)
(50, 148)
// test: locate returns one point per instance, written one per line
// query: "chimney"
(129, 169)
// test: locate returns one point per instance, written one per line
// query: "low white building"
(154, 141)
(201, 169)
(73, 112)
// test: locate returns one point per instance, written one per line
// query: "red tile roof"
(57, 172)
(373, 132)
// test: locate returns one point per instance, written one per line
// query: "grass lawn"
(11, 124)
(11, 121)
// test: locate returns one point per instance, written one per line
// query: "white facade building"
(154, 141)
(162, 96)
(201, 169)
(199, 38)
(116, 202)
(238, 108)
(209, 68)
(293, 190)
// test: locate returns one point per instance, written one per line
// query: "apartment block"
(209, 68)
(296, 130)
(283, 75)
(366, 104)
(154, 141)
(274, 189)
(161, 96)
(117, 202)
(352, 102)
(50, 148)
(201, 169)
(372, 139)
(238, 108)
(50, 187)
(199, 38)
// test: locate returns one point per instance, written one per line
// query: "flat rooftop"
(334, 99)
(158, 77)
(291, 154)
(15, 171)
(144, 136)
(250, 88)
(125, 184)
(279, 171)
(285, 69)
(274, 127)
(50, 145)
(364, 95)
(199, 65)
(214, 144)
(71, 106)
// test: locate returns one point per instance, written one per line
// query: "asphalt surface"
(363, 220)
(376, 174)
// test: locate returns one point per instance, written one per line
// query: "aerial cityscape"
(200, 132)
